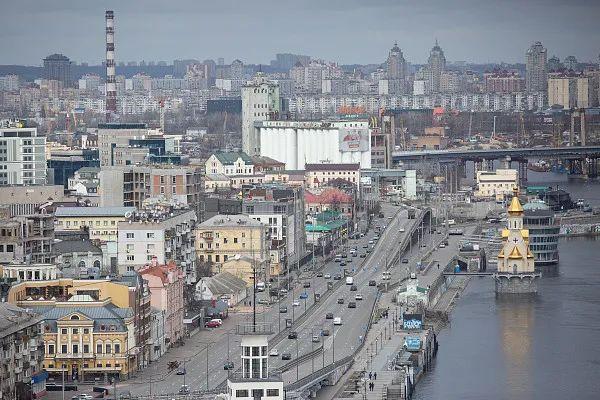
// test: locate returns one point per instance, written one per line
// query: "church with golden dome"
(516, 270)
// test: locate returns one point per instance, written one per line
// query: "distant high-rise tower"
(396, 64)
(260, 102)
(436, 64)
(536, 79)
(58, 67)
(111, 82)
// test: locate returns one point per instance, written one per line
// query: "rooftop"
(229, 158)
(230, 221)
(93, 211)
(332, 167)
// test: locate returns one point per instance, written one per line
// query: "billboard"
(353, 139)
(412, 322)
(412, 343)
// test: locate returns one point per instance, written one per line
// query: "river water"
(543, 348)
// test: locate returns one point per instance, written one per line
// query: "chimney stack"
(111, 81)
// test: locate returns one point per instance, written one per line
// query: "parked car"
(181, 371)
(316, 339)
(351, 304)
(365, 246)
(293, 335)
(329, 315)
(340, 301)
(306, 285)
(405, 261)
(184, 389)
(213, 323)
(372, 283)
(327, 276)
(274, 353)
(319, 274)
(363, 255)
(283, 309)
(337, 321)
(286, 356)
(358, 296)
(369, 250)
(296, 303)
(401, 230)
(353, 288)
(325, 332)
(228, 365)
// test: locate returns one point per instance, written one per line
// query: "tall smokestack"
(111, 82)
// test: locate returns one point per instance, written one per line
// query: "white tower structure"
(111, 81)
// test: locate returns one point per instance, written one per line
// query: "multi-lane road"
(223, 345)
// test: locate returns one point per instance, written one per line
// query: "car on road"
(327, 276)
(442, 245)
(371, 241)
(283, 309)
(263, 301)
(329, 315)
(337, 259)
(340, 300)
(286, 356)
(363, 255)
(353, 288)
(319, 274)
(337, 321)
(306, 285)
(228, 365)
(369, 250)
(343, 263)
(351, 304)
(296, 303)
(303, 296)
(376, 237)
(405, 261)
(344, 255)
(274, 353)
(385, 226)
(358, 296)
(354, 254)
(365, 246)
(293, 335)
(184, 389)
(372, 283)
(325, 332)
(316, 339)
(84, 396)
(213, 323)
(181, 371)
(401, 230)
(283, 291)
(337, 277)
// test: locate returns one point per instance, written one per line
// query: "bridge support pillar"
(477, 166)
(522, 172)
(593, 167)
(489, 165)
(506, 162)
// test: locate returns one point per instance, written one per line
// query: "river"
(543, 348)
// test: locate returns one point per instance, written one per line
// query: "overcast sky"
(345, 31)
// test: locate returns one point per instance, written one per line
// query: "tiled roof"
(103, 316)
(229, 221)
(228, 158)
(75, 246)
(332, 167)
(92, 211)
(224, 283)
(328, 196)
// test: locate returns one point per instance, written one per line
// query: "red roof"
(328, 196)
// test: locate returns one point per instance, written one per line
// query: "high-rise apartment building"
(260, 102)
(436, 64)
(396, 64)
(570, 91)
(537, 68)
(57, 67)
(22, 155)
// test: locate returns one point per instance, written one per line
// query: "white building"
(166, 237)
(229, 164)
(22, 155)
(30, 272)
(260, 102)
(298, 143)
(496, 183)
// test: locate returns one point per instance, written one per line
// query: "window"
(108, 348)
(217, 258)
(50, 349)
(272, 392)
(63, 349)
(117, 348)
(130, 257)
(63, 331)
(235, 240)
(74, 318)
(258, 393)
(129, 235)
(99, 348)
(75, 331)
(241, 393)
(86, 348)
(10, 248)
(150, 235)
(75, 348)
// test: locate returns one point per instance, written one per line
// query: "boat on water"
(539, 166)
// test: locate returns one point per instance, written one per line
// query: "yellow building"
(223, 237)
(102, 222)
(496, 183)
(92, 328)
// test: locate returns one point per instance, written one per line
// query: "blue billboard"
(411, 322)
(412, 343)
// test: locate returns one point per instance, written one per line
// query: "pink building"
(166, 294)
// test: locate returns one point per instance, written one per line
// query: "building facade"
(497, 183)
(22, 156)
(260, 102)
(536, 59)
(102, 223)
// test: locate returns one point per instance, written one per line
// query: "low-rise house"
(223, 286)
(79, 258)
(101, 222)
(321, 175)
(329, 199)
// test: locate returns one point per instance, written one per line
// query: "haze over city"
(345, 31)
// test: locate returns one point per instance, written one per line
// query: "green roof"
(326, 227)
(228, 158)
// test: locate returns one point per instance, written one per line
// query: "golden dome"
(515, 253)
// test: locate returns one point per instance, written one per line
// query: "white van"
(337, 321)
(349, 280)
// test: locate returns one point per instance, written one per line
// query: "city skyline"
(491, 33)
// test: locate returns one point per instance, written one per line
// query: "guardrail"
(308, 379)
